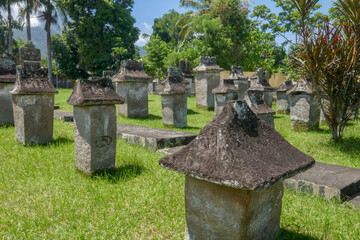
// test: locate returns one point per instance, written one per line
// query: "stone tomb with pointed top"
(260, 81)
(304, 107)
(240, 81)
(282, 98)
(207, 78)
(131, 84)
(174, 99)
(234, 172)
(33, 99)
(226, 91)
(188, 77)
(255, 99)
(95, 124)
(7, 80)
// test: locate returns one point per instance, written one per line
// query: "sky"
(145, 11)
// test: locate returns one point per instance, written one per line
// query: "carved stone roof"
(30, 81)
(286, 86)
(7, 70)
(208, 64)
(94, 92)
(239, 150)
(186, 69)
(261, 79)
(303, 86)
(174, 83)
(237, 73)
(131, 71)
(226, 86)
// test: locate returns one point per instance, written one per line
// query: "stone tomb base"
(95, 137)
(218, 212)
(136, 99)
(205, 83)
(174, 110)
(304, 112)
(282, 103)
(6, 105)
(34, 118)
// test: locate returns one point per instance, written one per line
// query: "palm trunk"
(48, 48)
(11, 41)
(28, 26)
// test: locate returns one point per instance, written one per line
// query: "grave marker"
(225, 92)
(240, 80)
(7, 80)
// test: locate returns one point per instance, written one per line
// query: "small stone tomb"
(33, 99)
(188, 77)
(255, 99)
(240, 81)
(207, 78)
(174, 99)
(304, 107)
(282, 98)
(234, 172)
(260, 80)
(131, 83)
(95, 124)
(7, 80)
(225, 92)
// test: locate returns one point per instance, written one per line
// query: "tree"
(7, 5)
(25, 11)
(330, 58)
(50, 16)
(105, 31)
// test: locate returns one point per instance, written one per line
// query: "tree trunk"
(48, 48)
(28, 26)
(11, 41)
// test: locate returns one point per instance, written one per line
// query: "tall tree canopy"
(104, 29)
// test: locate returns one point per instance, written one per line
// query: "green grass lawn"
(42, 196)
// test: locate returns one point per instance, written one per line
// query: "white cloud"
(35, 22)
(141, 41)
(147, 27)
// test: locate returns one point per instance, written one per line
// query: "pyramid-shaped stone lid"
(32, 82)
(286, 86)
(226, 86)
(131, 71)
(261, 79)
(208, 64)
(255, 99)
(237, 73)
(239, 150)
(94, 92)
(303, 86)
(174, 83)
(7, 70)
(185, 66)
(30, 53)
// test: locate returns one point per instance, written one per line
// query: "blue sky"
(145, 11)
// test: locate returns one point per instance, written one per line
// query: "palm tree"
(25, 12)
(50, 13)
(7, 5)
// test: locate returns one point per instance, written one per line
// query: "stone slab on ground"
(153, 138)
(356, 201)
(64, 115)
(328, 181)
(168, 151)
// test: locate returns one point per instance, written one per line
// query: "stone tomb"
(240, 81)
(207, 78)
(304, 107)
(188, 77)
(131, 83)
(95, 124)
(225, 92)
(255, 99)
(282, 98)
(33, 99)
(234, 176)
(260, 80)
(174, 99)
(7, 80)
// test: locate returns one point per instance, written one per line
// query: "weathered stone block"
(282, 102)
(225, 92)
(33, 116)
(174, 110)
(233, 213)
(6, 109)
(136, 99)
(304, 112)
(95, 137)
